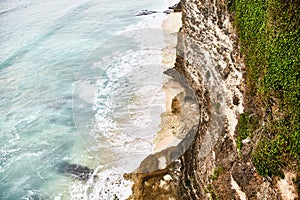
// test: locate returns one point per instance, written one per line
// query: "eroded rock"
(177, 7)
(146, 12)
(77, 171)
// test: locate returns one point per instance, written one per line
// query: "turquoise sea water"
(79, 83)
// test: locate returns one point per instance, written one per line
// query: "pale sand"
(171, 26)
(170, 123)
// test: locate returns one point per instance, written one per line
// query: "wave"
(105, 183)
(127, 101)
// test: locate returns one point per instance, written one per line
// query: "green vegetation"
(269, 33)
(212, 193)
(216, 173)
(297, 183)
(217, 107)
(246, 127)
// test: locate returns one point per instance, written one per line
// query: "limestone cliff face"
(208, 56)
(211, 168)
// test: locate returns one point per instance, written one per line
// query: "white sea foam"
(128, 102)
(104, 184)
(147, 32)
(42, 46)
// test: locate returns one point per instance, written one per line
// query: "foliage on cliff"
(269, 33)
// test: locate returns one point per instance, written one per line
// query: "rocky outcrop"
(77, 171)
(146, 12)
(155, 176)
(177, 7)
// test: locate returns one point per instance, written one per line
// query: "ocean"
(80, 84)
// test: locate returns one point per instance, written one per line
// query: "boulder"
(146, 12)
(167, 11)
(76, 171)
(177, 7)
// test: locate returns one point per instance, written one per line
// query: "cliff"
(218, 164)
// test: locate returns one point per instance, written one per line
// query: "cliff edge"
(222, 162)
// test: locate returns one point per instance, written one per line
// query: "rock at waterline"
(177, 7)
(167, 11)
(146, 12)
(77, 171)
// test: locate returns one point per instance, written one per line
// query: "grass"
(269, 33)
(216, 173)
(246, 127)
(212, 193)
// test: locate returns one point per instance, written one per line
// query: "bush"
(269, 32)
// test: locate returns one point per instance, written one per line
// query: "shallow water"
(80, 82)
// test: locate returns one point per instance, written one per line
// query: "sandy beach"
(171, 27)
(170, 121)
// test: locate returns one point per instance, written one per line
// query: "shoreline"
(177, 121)
(170, 121)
